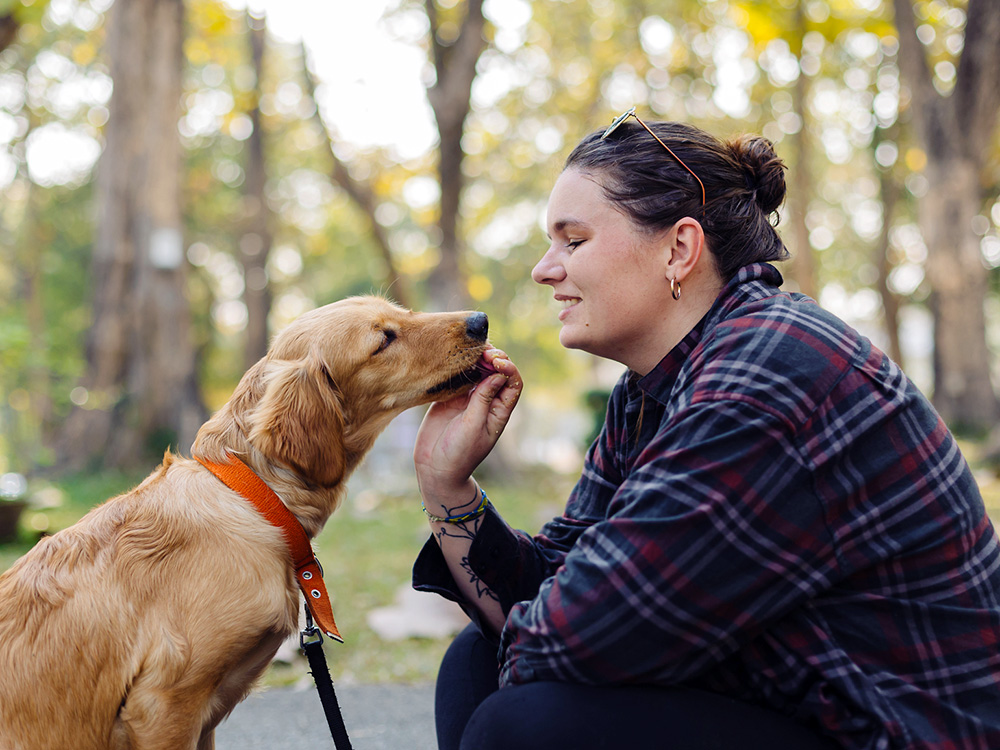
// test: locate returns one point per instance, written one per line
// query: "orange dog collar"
(241, 479)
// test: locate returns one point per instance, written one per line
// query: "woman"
(775, 541)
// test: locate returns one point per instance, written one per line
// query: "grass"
(367, 551)
(61, 504)
(368, 554)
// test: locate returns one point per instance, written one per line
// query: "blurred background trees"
(174, 189)
(954, 125)
(139, 384)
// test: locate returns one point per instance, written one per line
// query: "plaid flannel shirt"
(774, 513)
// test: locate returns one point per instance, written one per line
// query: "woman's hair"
(744, 185)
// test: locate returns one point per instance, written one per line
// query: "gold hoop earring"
(675, 289)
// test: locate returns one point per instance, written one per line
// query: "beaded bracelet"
(480, 509)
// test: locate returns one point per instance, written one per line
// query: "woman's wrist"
(455, 506)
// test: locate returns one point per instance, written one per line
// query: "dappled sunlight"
(351, 199)
(181, 181)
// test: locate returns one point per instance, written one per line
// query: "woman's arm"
(453, 439)
(455, 541)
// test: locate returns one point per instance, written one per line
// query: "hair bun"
(763, 169)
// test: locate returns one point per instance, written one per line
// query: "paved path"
(378, 717)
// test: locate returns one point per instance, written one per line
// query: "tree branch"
(362, 195)
(450, 99)
(8, 30)
(437, 49)
(456, 66)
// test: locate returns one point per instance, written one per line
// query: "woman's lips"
(568, 303)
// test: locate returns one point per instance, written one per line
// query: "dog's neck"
(311, 504)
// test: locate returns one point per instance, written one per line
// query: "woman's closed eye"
(574, 244)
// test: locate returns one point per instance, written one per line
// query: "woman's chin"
(571, 338)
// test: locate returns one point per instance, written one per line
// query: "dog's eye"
(388, 336)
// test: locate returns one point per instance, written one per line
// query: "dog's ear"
(227, 428)
(299, 420)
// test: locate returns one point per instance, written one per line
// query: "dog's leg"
(162, 722)
(207, 740)
(164, 717)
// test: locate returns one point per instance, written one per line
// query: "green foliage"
(554, 70)
(29, 13)
(46, 225)
(321, 249)
(58, 504)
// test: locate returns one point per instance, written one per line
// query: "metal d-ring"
(310, 631)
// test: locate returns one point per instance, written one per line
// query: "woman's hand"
(456, 435)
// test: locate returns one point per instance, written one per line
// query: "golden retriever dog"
(144, 624)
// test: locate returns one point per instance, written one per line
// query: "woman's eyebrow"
(563, 224)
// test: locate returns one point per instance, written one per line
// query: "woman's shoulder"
(788, 325)
(783, 345)
(781, 318)
(757, 322)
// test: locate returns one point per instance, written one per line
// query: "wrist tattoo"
(482, 590)
(466, 530)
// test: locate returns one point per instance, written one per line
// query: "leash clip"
(313, 650)
(310, 631)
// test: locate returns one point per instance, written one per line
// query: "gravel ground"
(378, 717)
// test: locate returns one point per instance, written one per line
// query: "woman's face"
(610, 278)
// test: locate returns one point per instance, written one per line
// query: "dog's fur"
(145, 623)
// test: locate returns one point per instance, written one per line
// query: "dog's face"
(337, 375)
(375, 351)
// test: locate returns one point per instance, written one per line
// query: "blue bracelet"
(480, 509)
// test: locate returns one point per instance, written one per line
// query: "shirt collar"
(752, 282)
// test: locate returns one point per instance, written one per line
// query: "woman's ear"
(299, 420)
(687, 243)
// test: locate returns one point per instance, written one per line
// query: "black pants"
(472, 714)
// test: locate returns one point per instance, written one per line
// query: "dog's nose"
(476, 325)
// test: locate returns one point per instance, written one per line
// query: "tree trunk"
(255, 244)
(963, 392)
(8, 30)
(889, 191)
(803, 262)
(140, 379)
(450, 99)
(955, 132)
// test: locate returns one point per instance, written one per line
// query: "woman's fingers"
(457, 435)
(505, 397)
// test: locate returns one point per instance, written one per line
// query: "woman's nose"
(549, 268)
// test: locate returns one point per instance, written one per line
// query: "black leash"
(311, 641)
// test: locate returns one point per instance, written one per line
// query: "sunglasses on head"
(631, 113)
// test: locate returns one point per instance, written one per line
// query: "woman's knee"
(536, 715)
(469, 673)
(499, 722)
(470, 660)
